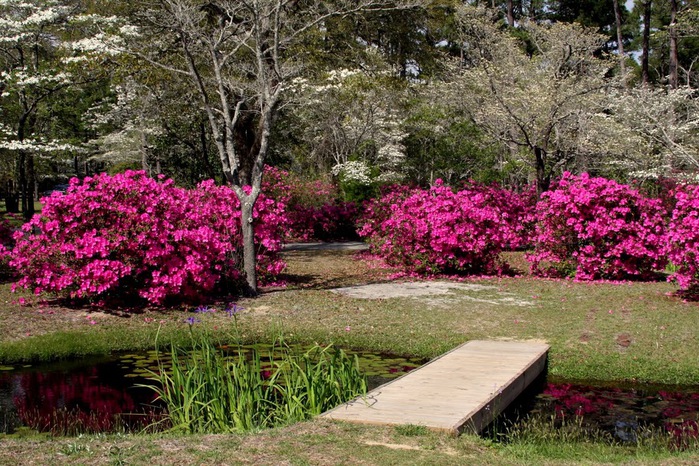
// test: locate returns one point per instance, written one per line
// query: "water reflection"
(101, 395)
(84, 399)
(623, 411)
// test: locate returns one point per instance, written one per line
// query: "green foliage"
(442, 144)
(75, 448)
(354, 191)
(122, 167)
(209, 391)
(687, 43)
(598, 14)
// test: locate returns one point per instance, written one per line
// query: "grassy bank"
(601, 331)
(321, 442)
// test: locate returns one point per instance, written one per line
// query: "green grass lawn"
(600, 331)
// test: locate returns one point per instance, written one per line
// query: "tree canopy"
(366, 91)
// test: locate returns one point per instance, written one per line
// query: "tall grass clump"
(539, 431)
(209, 391)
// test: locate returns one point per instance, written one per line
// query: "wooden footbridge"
(462, 390)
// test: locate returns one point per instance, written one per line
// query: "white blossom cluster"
(354, 171)
(100, 43)
(660, 128)
(14, 38)
(120, 111)
(44, 16)
(96, 19)
(19, 17)
(334, 80)
(31, 145)
(390, 137)
(129, 30)
(23, 79)
(341, 74)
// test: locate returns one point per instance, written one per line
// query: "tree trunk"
(673, 45)
(645, 78)
(620, 41)
(510, 13)
(208, 169)
(249, 258)
(22, 179)
(542, 180)
(144, 154)
(31, 187)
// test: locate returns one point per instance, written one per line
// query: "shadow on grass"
(322, 282)
(130, 306)
(691, 295)
(6, 277)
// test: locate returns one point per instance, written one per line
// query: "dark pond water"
(100, 395)
(623, 411)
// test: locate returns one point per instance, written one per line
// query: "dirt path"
(336, 260)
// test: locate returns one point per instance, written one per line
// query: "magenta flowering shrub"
(440, 230)
(129, 235)
(683, 237)
(314, 209)
(595, 228)
(220, 206)
(518, 208)
(378, 210)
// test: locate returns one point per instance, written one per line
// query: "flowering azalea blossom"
(131, 235)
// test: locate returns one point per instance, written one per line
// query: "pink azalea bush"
(595, 228)
(440, 230)
(518, 208)
(314, 209)
(379, 210)
(683, 237)
(129, 235)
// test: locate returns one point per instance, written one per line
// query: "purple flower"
(233, 309)
(204, 309)
(192, 320)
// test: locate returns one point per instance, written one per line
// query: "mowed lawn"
(597, 331)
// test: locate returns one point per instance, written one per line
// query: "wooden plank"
(464, 389)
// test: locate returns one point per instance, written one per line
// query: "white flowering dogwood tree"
(127, 126)
(240, 57)
(656, 131)
(536, 101)
(41, 56)
(352, 122)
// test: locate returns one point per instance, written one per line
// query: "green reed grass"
(208, 391)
